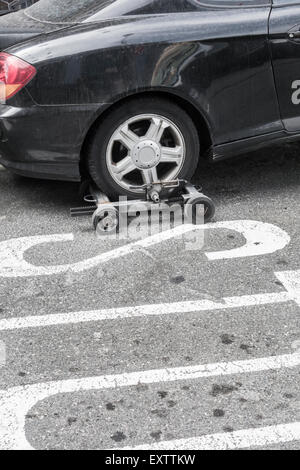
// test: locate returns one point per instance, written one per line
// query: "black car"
(131, 91)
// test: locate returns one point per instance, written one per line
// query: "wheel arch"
(201, 123)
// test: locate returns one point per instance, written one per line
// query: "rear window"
(49, 15)
(66, 11)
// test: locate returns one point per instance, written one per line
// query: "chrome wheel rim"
(145, 148)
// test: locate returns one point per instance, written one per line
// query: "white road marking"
(244, 439)
(2, 168)
(38, 321)
(291, 281)
(15, 403)
(261, 238)
(13, 264)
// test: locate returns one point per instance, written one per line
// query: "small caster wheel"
(194, 209)
(106, 220)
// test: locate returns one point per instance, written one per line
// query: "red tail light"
(15, 73)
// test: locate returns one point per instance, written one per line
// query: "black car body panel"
(286, 59)
(10, 38)
(213, 56)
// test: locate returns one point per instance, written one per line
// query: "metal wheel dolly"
(106, 214)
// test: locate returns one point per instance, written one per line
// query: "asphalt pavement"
(157, 346)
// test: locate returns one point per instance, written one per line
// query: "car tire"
(181, 125)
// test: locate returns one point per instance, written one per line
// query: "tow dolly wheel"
(198, 208)
(106, 220)
(194, 209)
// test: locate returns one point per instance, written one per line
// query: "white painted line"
(244, 439)
(15, 403)
(143, 311)
(2, 168)
(13, 264)
(261, 239)
(291, 281)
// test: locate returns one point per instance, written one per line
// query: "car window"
(60, 11)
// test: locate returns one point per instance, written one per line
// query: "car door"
(242, 98)
(285, 47)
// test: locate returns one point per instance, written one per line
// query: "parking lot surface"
(158, 346)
